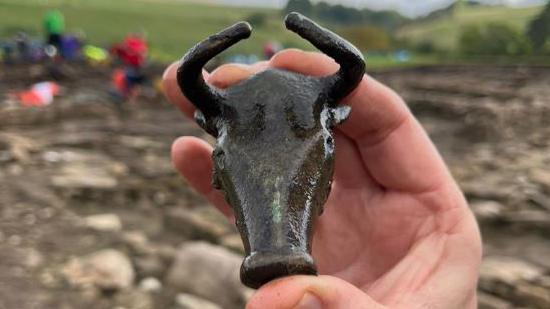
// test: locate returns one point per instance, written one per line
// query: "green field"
(445, 31)
(172, 26)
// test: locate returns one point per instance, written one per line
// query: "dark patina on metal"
(274, 156)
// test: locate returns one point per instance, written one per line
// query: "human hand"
(396, 230)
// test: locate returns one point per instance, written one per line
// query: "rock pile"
(94, 215)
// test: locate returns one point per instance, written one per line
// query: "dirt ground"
(83, 155)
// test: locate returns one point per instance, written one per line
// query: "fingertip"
(192, 157)
(172, 91)
(229, 74)
(286, 53)
(169, 70)
(293, 292)
(304, 62)
(281, 293)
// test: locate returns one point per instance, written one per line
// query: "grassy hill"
(444, 29)
(173, 26)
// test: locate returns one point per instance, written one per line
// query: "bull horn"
(351, 61)
(206, 98)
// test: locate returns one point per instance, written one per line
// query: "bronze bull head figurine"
(274, 155)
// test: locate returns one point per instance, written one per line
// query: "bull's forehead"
(274, 88)
(276, 103)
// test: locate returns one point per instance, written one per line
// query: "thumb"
(305, 292)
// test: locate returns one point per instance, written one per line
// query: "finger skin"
(192, 158)
(172, 91)
(304, 291)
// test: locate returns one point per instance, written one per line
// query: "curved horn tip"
(294, 19)
(242, 29)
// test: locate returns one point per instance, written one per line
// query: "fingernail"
(309, 301)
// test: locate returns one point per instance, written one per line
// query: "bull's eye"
(219, 158)
(300, 118)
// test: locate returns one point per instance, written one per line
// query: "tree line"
(373, 30)
(347, 16)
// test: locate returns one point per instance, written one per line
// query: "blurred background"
(93, 215)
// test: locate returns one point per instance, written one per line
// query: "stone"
(188, 301)
(107, 270)
(233, 242)
(155, 166)
(201, 223)
(509, 270)
(544, 281)
(501, 275)
(487, 210)
(274, 155)
(541, 176)
(104, 222)
(85, 170)
(20, 147)
(488, 301)
(33, 258)
(137, 242)
(139, 142)
(166, 252)
(208, 271)
(150, 284)
(533, 295)
(83, 177)
(529, 217)
(150, 266)
(134, 299)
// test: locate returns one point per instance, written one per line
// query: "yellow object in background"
(157, 84)
(95, 55)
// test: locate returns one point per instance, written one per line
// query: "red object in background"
(132, 51)
(118, 80)
(269, 50)
(40, 94)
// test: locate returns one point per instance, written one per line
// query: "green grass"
(378, 61)
(172, 26)
(445, 31)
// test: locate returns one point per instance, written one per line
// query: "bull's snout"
(261, 267)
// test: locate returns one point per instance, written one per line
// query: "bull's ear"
(340, 114)
(350, 59)
(208, 99)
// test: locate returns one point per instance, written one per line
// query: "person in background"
(132, 52)
(54, 26)
(7, 52)
(271, 48)
(23, 44)
(71, 45)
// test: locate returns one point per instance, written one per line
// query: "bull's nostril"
(260, 268)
